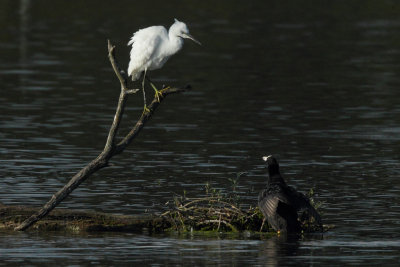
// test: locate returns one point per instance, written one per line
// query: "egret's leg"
(158, 93)
(144, 93)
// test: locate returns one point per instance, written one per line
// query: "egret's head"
(181, 30)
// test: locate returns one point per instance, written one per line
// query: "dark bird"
(280, 203)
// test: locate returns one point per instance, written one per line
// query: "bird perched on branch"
(280, 203)
(152, 47)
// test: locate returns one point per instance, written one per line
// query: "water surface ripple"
(316, 85)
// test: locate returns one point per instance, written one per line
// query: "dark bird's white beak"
(265, 158)
(188, 36)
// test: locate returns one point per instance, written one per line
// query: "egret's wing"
(145, 43)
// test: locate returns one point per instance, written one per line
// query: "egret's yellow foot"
(158, 93)
(165, 89)
(145, 110)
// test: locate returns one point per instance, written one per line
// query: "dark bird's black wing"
(301, 202)
(278, 209)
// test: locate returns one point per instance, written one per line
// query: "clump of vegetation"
(216, 211)
(308, 223)
(221, 211)
(212, 213)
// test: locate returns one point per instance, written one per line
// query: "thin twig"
(219, 223)
(180, 217)
(173, 220)
(233, 228)
(117, 70)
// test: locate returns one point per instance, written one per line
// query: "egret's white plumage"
(153, 46)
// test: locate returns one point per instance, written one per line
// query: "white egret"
(152, 47)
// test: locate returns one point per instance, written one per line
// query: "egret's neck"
(175, 43)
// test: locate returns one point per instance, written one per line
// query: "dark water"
(315, 83)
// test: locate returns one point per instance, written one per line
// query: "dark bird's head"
(273, 169)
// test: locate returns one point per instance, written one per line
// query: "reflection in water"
(313, 85)
(276, 250)
(115, 248)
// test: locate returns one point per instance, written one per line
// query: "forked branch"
(111, 148)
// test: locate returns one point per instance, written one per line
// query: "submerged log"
(179, 220)
(83, 221)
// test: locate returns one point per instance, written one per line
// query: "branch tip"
(131, 91)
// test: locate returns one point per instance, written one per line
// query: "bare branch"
(117, 70)
(110, 148)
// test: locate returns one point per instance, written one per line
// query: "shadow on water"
(315, 84)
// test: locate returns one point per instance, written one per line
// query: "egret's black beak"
(188, 36)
